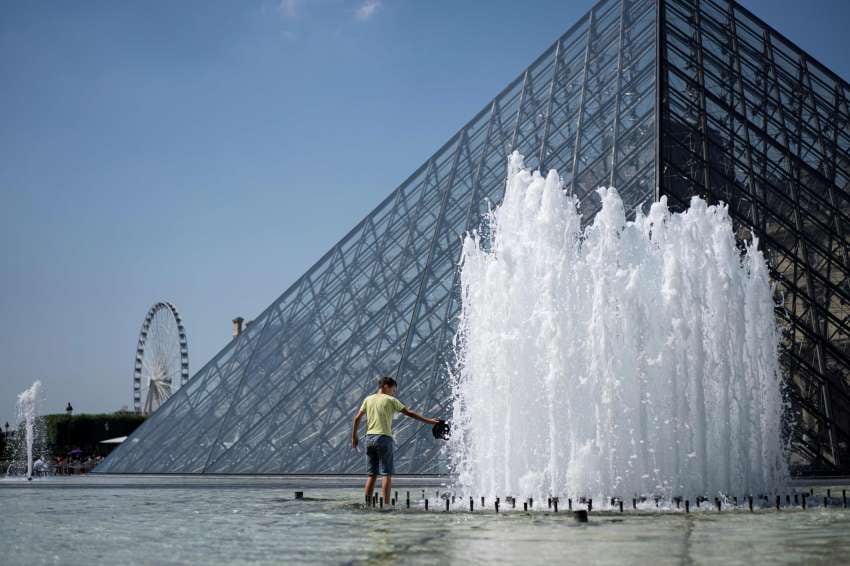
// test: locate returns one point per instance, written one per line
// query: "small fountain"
(27, 406)
(628, 358)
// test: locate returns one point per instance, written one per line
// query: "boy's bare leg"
(370, 486)
(386, 483)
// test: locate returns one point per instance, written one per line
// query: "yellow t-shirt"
(380, 409)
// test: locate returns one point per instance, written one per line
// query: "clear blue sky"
(207, 153)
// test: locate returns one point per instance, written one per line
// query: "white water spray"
(631, 358)
(27, 411)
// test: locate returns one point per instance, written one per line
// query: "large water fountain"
(631, 357)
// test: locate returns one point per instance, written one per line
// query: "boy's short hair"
(386, 380)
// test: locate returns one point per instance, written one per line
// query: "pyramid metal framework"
(674, 97)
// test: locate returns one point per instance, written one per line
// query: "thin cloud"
(366, 10)
(288, 8)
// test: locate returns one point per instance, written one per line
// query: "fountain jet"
(621, 359)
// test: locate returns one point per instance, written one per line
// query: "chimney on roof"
(237, 325)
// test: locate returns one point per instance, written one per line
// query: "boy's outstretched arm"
(407, 412)
(354, 439)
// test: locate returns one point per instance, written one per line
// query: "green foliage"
(65, 433)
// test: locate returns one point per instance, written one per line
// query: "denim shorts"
(379, 450)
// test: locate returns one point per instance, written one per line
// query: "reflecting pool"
(179, 520)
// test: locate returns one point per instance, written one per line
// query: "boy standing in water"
(379, 410)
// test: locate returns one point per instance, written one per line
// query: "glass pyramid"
(745, 117)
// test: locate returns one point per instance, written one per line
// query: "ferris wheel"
(162, 358)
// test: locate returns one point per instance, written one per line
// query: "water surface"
(179, 520)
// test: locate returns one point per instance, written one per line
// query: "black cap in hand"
(442, 430)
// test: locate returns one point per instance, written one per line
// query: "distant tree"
(86, 431)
